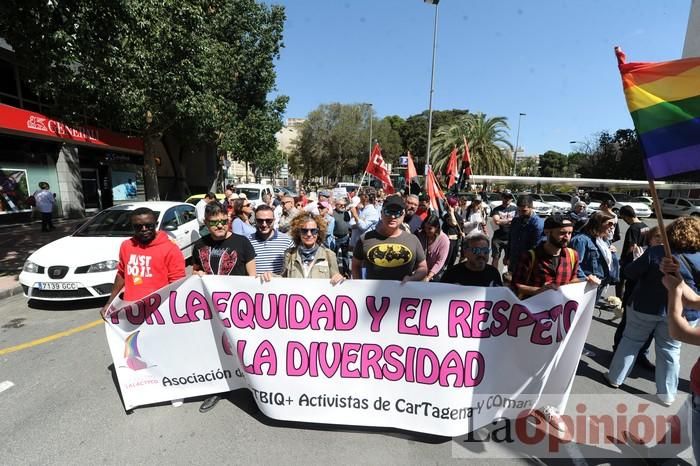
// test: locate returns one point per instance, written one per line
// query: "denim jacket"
(591, 259)
(649, 295)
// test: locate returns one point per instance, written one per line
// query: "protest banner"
(428, 357)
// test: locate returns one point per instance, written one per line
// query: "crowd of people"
(372, 236)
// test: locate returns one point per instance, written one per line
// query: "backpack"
(570, 252)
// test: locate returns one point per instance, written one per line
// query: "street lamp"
(517, 141)
(432, 89)
(369, 106)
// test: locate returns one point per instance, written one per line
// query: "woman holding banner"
(310, 258)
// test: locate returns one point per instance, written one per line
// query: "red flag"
(411, 171)
(434, 191)
(377, 168)
(466, 160)
(451, 170)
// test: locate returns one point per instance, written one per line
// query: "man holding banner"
(221, 252)
(388, 252)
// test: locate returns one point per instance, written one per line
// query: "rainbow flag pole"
(664, 101)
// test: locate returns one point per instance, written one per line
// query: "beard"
(558, 243)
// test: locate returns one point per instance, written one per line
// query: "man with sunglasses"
(268, 243)
(221, 252)
(388, 252)
(148, 261)
(475, 270)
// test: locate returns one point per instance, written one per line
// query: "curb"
(9, 292)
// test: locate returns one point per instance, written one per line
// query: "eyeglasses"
(141, 226)
(484, 250)
(300, 205)
(266, 221)
(394, 213)
(307, 231)
(216, 223)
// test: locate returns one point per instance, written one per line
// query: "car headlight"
(103, 266)
(31, 267)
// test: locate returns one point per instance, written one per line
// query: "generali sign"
(16, 120)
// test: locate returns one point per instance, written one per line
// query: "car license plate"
(58, 286)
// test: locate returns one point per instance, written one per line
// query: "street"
(59, 404)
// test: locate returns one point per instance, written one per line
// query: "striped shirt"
(269, 253)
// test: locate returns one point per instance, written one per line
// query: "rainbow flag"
(664, 101)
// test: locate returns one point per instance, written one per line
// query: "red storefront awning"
(24, 123)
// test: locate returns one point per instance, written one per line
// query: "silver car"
(680, 207)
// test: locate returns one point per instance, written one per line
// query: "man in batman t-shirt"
(388, 252)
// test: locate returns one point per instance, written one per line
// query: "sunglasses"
(266, 221)
(141, 226)
(484, 250)
(216, 223)
(393, 212)
(309, 231)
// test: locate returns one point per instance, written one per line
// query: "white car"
(254, 192)
(620, 199)
(558, 205)
(83, 265)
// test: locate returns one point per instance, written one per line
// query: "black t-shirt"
(227, 257)
(505, 213)
(460, 275)
(633, 236)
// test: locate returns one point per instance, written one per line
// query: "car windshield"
(620, 197)
(550, 198)
(252, 194)
(115, 222)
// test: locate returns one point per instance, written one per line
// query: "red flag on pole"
(466, 166)
(411, 171)
(377, 168)
(434, 191)
(466, 160)
(451, 170)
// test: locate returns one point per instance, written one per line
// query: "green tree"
(528, 167)
(553, 164)
(195, 71)
(334, 141)
(487, 139)
(414, 132)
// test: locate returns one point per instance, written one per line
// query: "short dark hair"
(43, 185)
(431, 220)
(230, 187)
(210, 195)
(213, 209)
(525, 201)
(423, 198)
(627, 211)
(143, 211)
(263, 208)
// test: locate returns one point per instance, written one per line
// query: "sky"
(550, 59)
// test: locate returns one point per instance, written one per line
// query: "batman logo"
(389, 255)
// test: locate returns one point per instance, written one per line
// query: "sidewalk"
(17, 242)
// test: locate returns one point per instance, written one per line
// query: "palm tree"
(489, 146)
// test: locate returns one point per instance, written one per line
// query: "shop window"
(27, 92)
(8, 83)
(5, 99)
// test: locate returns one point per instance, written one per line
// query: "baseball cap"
(557, 221)
(394, 202)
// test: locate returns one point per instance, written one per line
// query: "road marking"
(6, 385)
(53, 337)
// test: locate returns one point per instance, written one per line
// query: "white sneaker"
(666, 399)
(552, 416)
(177, 403)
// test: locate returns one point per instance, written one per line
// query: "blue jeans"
(668, 351)
(695, 400)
